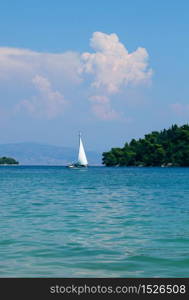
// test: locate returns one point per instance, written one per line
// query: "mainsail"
(82, 159)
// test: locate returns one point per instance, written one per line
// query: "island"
(8, 161)
(165, 148)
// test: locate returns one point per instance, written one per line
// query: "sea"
(94, 222)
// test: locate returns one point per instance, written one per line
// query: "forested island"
(165, 148)
(8, 161)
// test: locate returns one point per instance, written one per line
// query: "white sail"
(82, 159)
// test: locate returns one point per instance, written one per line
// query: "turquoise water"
(99, 222)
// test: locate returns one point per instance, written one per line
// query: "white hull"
(75, 166)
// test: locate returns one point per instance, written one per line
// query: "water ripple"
(103, 222)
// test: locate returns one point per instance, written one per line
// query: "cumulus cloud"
(112, 65)
(47, 103)
(103, 73)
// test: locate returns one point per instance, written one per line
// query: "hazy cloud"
(47, 103)
(16, 63)
(180, 109)
(101, 108)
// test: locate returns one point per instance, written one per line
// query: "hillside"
(165, 148)
(39, 154)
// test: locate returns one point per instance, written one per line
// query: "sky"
(114, 70)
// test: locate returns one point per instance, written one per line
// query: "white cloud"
(38, 72)
(47, 103)
(25, 64)
(104, 72)
(111, 64)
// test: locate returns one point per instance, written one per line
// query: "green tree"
(8, 161)
(167, 147)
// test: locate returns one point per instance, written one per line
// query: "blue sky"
(112, 69)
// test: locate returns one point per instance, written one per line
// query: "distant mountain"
(39, 154)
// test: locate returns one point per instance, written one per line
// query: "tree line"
(169, 147)
(8, 161)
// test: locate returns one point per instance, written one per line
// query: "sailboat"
(82, 159)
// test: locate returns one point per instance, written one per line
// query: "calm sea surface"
(99, 222)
